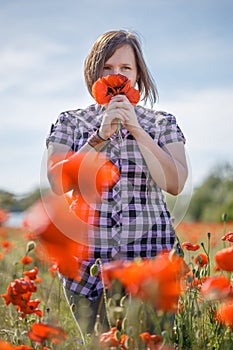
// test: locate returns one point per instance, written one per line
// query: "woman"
(148, 151)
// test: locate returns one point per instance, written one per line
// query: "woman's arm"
(168, 166)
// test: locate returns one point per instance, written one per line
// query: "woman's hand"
(118, 109)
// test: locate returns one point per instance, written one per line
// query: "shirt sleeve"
(169, 130)
(62, 131)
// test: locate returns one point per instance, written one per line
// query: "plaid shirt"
(133, 220)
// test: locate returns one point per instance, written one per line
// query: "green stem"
(49, 293)
(119, 130)
(98, 261)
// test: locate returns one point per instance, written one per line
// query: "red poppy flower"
(32, 274)
(193, 281)
(156, 280)
(126, 342)
(110, 338)
(224, 314)
(53, 269)
(216, 268)
(82, 209)
(28, 235)
(7, 245)
(152, 341)
(228, 237)
(111, 269)
(71, 173)
(26, 260)
(19, 291)
(54, 224)
(224, 259)
(42, 331)
(5, 345)
(214, 288)
(201, 259)
(114, 84)
(23, 347)
(29, 307)
(190, 246)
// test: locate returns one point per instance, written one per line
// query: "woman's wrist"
(100, 134)
(96, 140)
(137, 131)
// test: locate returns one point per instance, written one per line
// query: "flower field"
(191, 289)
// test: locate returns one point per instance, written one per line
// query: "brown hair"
(104, 48)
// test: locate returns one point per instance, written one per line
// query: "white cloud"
(206, 120)
(206, 116)
(41, 74)
(28, 59)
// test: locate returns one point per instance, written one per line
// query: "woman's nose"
(116, 70)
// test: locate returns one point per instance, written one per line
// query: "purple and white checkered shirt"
(133, 220)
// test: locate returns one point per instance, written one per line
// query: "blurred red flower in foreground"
(215, 288)
(190, 246)
(70, 172)
(52, 223)
(201, 259)
(114, 84)
(60, 223)
(156, 280)
(41, 332)
(224, 259)
(5, 345)
(224, 314)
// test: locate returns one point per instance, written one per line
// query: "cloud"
(205, 118)
(188, 49)
(33, 64)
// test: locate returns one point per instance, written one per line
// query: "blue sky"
(188, 47)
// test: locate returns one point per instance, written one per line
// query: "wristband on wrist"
(94, 140)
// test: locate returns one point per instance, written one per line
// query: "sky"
(188, 47)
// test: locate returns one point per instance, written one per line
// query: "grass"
(49, 291)
(194, 326)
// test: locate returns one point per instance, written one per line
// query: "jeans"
(85, 312)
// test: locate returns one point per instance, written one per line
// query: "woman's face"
(122, 62)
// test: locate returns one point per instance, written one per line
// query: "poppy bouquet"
(114, 84)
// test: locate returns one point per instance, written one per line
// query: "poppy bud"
(30, 246)
(94, 270)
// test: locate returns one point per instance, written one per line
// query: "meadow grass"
(194, 326)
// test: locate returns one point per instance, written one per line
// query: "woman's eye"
(126, 68)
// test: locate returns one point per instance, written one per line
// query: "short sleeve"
(169, 129)
(62, 131)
